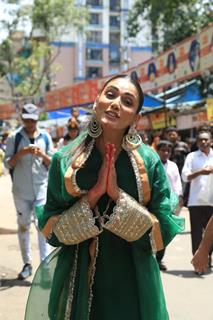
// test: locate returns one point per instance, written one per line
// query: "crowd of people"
(189, 167)
(111, 201)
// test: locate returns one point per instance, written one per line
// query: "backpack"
(18, 137)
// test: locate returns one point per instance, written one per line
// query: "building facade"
(104, 47)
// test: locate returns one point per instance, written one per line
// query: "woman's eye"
(128, 102)
(110, 94)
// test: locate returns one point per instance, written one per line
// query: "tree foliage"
(28, 68)
(171, 21)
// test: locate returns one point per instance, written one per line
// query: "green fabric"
(127, 283)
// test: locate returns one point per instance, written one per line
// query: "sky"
(4, 14)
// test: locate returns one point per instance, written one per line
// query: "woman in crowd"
(108, 209)
(73, 130)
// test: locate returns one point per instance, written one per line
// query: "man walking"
(28, 155)
(198, 165)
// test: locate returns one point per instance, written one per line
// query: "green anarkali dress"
(126, 282)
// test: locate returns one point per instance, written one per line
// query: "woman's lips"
(112, 115)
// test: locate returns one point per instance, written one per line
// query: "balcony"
(94, 3)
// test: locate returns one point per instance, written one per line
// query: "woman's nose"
(116, 104)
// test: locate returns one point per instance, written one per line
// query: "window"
(115, 5)
(114, 55)
(114, 21)
(95, 18)
(114, 38)
(96, 3)
(93, 72)
(94, 54)
(94, 36)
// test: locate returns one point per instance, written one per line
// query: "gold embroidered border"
(68, 181)
(143, 177)
(71, 289)
(48, 228)
(155, 235)
(70, 175)
(93, 252)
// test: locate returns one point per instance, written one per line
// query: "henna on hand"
(112, 187)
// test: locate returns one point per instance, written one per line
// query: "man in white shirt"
(164, 149)
(198, 165)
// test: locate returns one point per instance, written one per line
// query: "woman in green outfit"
(108, 210)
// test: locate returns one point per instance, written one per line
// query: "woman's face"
(116, 106)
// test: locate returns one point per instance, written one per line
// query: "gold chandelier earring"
(132, 139)
(94, 127)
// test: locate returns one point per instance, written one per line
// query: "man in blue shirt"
(29, 157)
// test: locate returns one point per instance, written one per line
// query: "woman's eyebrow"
(129, 94)
(117, 89)
(112, 87)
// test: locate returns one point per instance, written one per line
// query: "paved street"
(188, 297)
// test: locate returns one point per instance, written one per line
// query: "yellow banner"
(158, 120)
(209, 109)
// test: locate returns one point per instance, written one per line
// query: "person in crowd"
(101, 191)
(155, 142)
(198, 165)
(1, 162)
(164, 149)
(192, 144)
(179, 148)
(144, 137)
(28, 155)
(74, 116)
(200, 259)
(3, 142)
(73, 130)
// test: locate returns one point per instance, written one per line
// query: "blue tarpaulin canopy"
(151, 101)
(190, 95)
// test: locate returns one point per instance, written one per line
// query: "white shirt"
(174, 177)
(195, 161)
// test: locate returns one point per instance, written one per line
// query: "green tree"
(170, 21)
(28, 68)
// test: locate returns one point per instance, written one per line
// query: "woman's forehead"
(122, 84)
